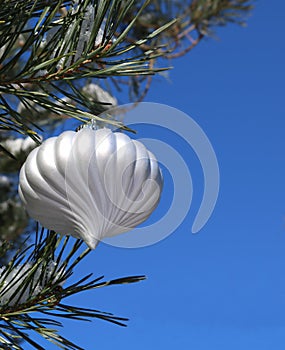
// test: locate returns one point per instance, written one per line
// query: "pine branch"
(54, 46)
(57, 54)
(34, 283)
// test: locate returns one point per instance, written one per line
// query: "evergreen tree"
(72, 60)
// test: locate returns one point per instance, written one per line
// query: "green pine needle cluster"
(39, 313)
(38, 70)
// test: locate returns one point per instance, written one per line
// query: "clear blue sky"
(223, 288)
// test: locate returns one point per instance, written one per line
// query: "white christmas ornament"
(90, 184)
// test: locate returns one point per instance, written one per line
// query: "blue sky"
(223, 288)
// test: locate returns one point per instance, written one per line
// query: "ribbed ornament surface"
(90, 184)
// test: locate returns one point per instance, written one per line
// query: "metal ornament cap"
(90, 184)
